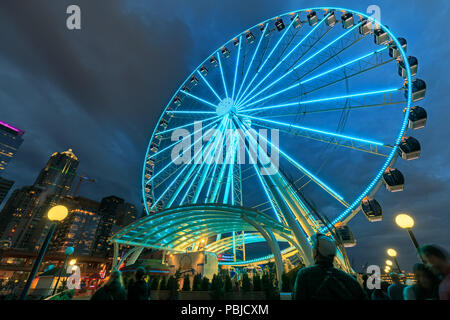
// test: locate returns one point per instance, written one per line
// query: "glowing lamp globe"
(389, 262)
(72, 262)
(404, 221)
(57, 213)
(391, 253)
(68, 251)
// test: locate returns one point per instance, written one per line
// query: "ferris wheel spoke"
(186, 125)
(307, 172)
(220, 180)
(323, 132)
(258, 174)
(350, 144)
(269, 55)
(199, 99)
(177, 142)
(297, 83)
(300, 64)
(191, 112)
(171, 162)
(202, 180)
(282, 60)
(209, 85)
(236, 67)
(251, 61)
(356, 107)
(223, 76)
(183, 182)
(354, 95)
(344, 65)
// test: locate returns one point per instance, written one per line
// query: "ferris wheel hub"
(225, 106)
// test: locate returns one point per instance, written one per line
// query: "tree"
(217, 287)
(154, 283)
(163, 284)
(186, 283)
(246, 285)
(197, 283)
(205, 284)
(228, 283)
(257, 283)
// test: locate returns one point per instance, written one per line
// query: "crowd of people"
(323, 281)
(114, 289)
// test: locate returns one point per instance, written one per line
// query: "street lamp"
(405, 221)
(72, 262)
(55, 214)
(389, 263)
(67, 252)
(393, 254)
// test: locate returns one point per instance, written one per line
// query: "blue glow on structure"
(223, 76)
(372, 184)
(318, 131)
(207, 83)
(236, 68)
(304, 61)
(251, 61)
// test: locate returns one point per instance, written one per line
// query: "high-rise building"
(127, 214)
(18, 219)
(108, 211)
(5, 186)
(78, 231)
(23, 219)
(57, 176)
(10, 140)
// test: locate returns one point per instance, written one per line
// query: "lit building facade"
(10, 141)
(58, 175)
(78, 231)
(108, 211)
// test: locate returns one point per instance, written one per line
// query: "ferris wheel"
(327, 94)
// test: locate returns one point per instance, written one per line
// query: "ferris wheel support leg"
(298, 233)
(273, 244)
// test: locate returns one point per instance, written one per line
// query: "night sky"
(100, 91)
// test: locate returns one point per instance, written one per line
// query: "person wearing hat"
(323, 281)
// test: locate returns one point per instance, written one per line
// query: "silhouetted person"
(139, 289)
(113, 289)
(322, 281)
(395, 290)
(437, 260)
(381, 294)
(426, 286)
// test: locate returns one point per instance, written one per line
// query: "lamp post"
(67, 252)
(55, 214)
(405, 221)
(393, 254)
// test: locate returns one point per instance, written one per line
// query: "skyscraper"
(23, 219)
(5, 186)
(127, 213)
(108, 211)
(57, 176)
(10, 140)
(78, 231)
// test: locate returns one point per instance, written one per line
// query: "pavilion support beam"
(135, 255)
(273, 244)
(115, 256)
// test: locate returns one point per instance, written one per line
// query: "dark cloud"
(99, 91)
